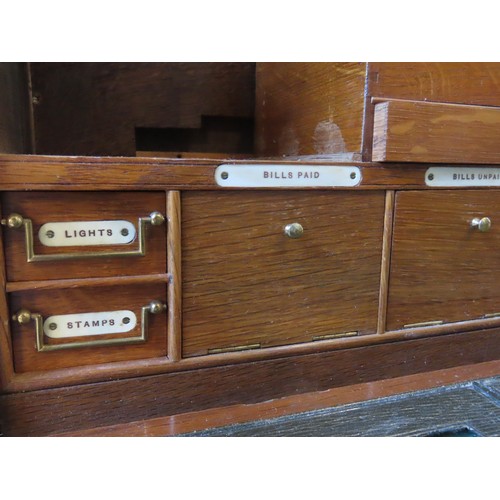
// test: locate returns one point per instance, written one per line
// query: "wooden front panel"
(442, 269)
(47, 207)
(462, 83)
(85, 300)
(407, 131)
(245, 282)
(309, 108)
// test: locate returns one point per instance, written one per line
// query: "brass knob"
(156, 307)
(294, 230)
(157, 219)
(483, 225)
(23, 317)
(14, 221)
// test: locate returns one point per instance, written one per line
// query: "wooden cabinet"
(241, 292)
(246, 284)
(444, 268)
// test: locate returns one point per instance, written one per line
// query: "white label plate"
(87, 233)
(462, 177)
(80, 325)
(278, 176)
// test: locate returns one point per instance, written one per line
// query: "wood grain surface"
(6, 358)
(174, 261)
(50, 207)
(85, 300)
(32, 172)
(309, 108)
(457, 82)
(313, 401)
(246, 283)
(15, 119)
(410, 131)
(115, 402)
(458, 408)
(386, 261)
(95, 108)
(441, 268)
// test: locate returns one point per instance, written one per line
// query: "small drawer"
(264, 269)
(82, 235)
(444, 263)
(61, 328)
(429, 132)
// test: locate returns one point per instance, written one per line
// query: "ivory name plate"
(87, 233)
(462, 177)
(284, 176)
(98, 323)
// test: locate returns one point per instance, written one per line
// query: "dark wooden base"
(78, 408)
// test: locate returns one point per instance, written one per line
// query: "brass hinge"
(425, 323)
(219, 350)
(334, 336)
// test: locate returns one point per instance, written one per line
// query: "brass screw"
(50, 234)
(126, 321)
(430, 177)
(52, 326)
(353, 175)
(224, 175)
(124, 231)
(293, 230)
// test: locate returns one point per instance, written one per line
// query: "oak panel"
(309, 108)
(407, 131)
(115, 402)
(295, 403)
(15, 129)
(246, 283)
(46, 207)
(84, 300)
(442, 269)
(456, 82)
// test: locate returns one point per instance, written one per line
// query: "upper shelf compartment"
(127, 109)
(390, 112)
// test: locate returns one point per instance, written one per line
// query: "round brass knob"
(23, 317)
(294, 230)
(14, 221)
(157, 218)
(156, 307)
(483, 225)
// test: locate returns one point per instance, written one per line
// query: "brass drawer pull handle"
(293, 230)
(483, 225)
(24, 316)
(16, 221)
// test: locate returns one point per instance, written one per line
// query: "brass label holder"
(24, 316)
(16, 221)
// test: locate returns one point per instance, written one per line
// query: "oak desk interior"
(388, 278)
